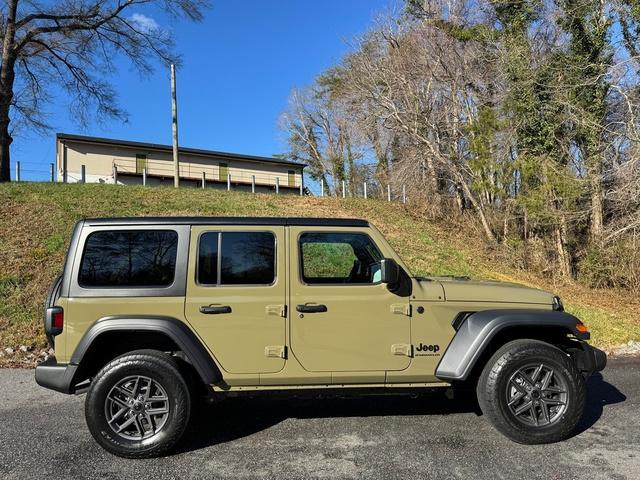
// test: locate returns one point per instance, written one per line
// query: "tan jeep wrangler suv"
(151, 313)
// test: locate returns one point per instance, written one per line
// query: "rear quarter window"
(129, 258)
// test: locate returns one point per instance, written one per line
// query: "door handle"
(311, 308)
(215, 309)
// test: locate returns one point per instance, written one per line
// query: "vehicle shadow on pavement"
(600, 393)
(235, 418)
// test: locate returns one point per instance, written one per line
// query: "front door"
(343, 319)
(236, 295)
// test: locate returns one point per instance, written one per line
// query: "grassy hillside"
(36, 221)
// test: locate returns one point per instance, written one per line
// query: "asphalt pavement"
(43, 435)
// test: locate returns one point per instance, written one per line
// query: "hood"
(463, 289)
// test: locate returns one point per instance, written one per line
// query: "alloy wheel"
(137, 408)
(537, 395)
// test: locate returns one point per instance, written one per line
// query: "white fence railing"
(233, 177)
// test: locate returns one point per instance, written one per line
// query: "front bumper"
(589, 359)
(56, 376)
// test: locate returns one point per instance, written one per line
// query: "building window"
(141, 163)
(223, 172)
(129, 258)
(245, 258)
(339, 258)
(292, 178)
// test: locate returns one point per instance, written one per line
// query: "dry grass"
(36, 221)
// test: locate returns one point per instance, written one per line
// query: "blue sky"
(239, 67)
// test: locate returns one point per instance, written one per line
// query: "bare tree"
(424, 83)
(73, 44)
(524, 113)
(321, 135)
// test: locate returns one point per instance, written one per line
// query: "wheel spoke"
(554, 390)
(139, 426)
(534, 414)
(553, 401)
(151, 422)
(147, 392)
(534, 377)
(157, 411)
(525, 379)
(544, 408)
(547, 379)
(126, 424)
(123, 391)
(118, 401)
(518, 396)
(518, 387)
(160, 398)
(119, 413)
(523, 408)
(136, 385)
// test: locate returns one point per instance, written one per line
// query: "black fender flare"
(178, 331)
(479, 328)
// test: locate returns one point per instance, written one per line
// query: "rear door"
(236, 295)
(343, 319)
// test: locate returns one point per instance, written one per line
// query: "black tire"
(501, 397)
(169, 386)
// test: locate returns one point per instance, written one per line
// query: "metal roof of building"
(169, 148)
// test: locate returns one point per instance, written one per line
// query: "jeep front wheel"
(532, 392)
(138, 405)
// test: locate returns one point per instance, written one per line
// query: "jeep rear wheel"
(138, 405)
(532, 392)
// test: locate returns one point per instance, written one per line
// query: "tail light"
(54, 321)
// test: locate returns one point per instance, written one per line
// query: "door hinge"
(275, 351)
(401, 309)
(278, 310)
(402, 349)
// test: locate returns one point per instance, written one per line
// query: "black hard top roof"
(303, 221)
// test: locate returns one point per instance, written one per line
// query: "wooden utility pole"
(174, 125)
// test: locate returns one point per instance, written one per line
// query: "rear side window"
(129, 258)
(237, 258)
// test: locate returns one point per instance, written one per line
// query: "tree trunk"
(596, 220)
(564, 259)
(351, 168)
(7, 77)
(481, 214)
(460, 200)
(382, 167)
(5, 155)
(432, 177)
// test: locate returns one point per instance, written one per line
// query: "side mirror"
(389, 271)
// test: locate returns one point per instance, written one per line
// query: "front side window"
(334, 258)
(237, 258)
(129, 258)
